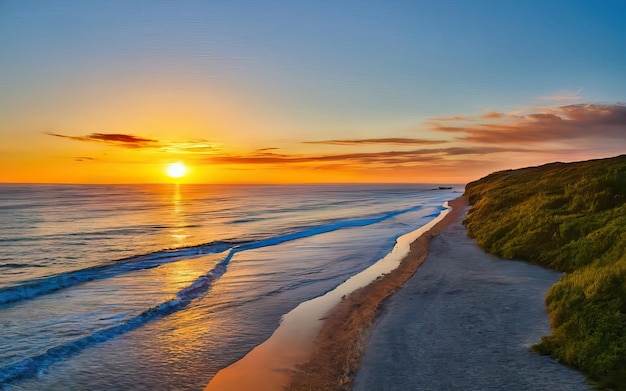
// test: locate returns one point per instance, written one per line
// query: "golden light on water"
(176, 170)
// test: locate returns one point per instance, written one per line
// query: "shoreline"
(340, 345)
(272, 364)
(466, 320)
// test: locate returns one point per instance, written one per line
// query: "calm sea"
(157, 287)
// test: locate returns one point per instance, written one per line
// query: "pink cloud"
(493, 115)
(570, 122)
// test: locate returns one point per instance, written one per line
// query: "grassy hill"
(572, 218)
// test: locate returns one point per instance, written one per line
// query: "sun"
(176, 170)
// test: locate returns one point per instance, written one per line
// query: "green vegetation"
(572, 218)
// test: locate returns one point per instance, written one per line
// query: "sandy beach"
(465, 321)
(461, 319)
(458, 319)
(271, 365)
(341, 343)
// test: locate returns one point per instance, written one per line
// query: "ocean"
(158, 287)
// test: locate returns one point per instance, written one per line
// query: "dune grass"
(572, 218)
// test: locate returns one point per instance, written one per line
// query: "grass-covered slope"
(569, 217)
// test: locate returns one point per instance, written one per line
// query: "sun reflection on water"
(178, 230)
(187, 330)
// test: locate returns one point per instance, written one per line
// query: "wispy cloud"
(368, 158)
(564, 96)
(379, 141)
(453, 118)
(117, 139)
(493, 115)
(378, 158)
(486, 141)
(135, 142)
(190, 147)
(580, 121)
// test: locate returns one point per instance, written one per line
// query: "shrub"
(572, 218)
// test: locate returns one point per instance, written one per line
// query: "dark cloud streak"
(387, 157)
(118, 139)
(376, 141)
(134, 142)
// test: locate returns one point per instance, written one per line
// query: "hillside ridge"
(569, 217)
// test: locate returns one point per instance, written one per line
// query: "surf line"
(269, 366)
(55, 283)
(31, 365)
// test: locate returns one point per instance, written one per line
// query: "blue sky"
(247, 76)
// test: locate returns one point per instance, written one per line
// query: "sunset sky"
(306, 91)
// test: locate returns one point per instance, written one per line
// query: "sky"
(306, 91)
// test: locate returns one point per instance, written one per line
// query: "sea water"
(158, 287)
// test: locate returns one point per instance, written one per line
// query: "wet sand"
(270, 365)
(465, 321)
(343, 337)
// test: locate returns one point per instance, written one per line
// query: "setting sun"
(176, 170)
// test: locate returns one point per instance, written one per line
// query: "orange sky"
(454, 149)
(241, 93)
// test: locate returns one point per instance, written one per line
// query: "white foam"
(269, 365)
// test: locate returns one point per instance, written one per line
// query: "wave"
(57, 282)
(32, 365)
(312, 231)
(183, 298)
(54, 283)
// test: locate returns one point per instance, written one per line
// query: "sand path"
(465, 321)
